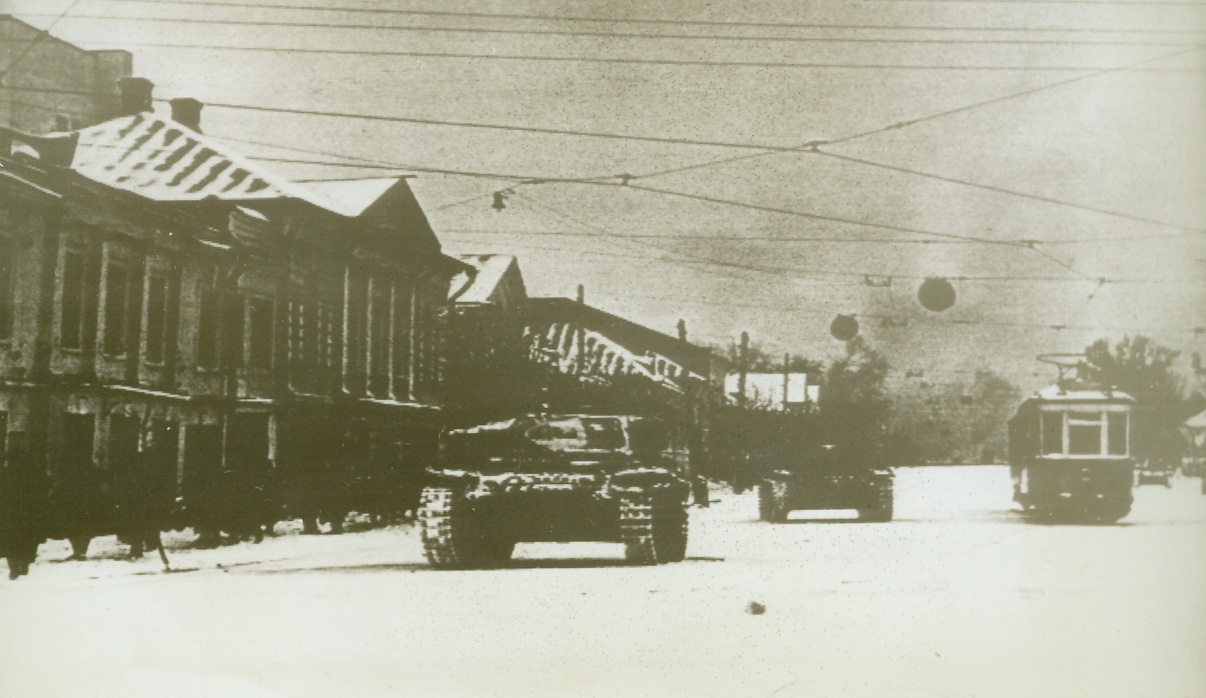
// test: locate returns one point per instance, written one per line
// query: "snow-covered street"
(957, 597)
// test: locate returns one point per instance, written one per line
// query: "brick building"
(164, 300)
(51, 85)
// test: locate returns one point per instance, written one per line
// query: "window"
(77, 314)
(207, 329)
(401, 329)
(232, 330)
(8, 264)
(1084, 433)
(379, 339)
(158, 314)
(311, 343)
(324, 335)
(117, 297)
(356, 324)
(1117, 433)
(604, 433)
(297, 334)
(260, 331)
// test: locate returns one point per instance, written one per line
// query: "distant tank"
(554, 478)
(1070, 452)
(826, 476)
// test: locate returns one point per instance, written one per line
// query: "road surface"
(957, 597)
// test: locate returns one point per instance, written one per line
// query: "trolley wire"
(606, 34)
(640, 20)
(786, 65)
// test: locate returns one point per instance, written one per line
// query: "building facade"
(51, 85)
(166, 303)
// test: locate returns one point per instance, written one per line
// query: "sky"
(1049, 158)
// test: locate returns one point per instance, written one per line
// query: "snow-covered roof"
(1198, 421)
(481, 285)
(354, 196)
(161, 160)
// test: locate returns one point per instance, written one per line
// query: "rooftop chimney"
(186, 111)
(135, 95)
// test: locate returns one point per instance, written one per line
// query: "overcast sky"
(1077, 125)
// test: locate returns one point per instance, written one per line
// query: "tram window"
(1053, 432)
(1117, 433)
(1084, 433)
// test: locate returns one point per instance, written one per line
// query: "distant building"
(51, 85)
(164, 299)
(492, 279)
(581, 339)
(775, 391)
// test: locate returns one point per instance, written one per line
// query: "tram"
(1070, 450)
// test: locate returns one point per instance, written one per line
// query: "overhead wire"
(815, 144)
(676, 21)
(821, 217)
(862, 276)
(736, 237)
(1010, 192)
(787, 65)
(683, 194)
(604, 34)
(940, 319)
(605, 180)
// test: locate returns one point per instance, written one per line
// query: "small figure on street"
(23, 494)
(82, 506)
(145, 502)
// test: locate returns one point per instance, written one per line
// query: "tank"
(826, 476)
(1070, 452)
(554, 478)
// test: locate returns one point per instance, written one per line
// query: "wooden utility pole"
(742, 368)
(786, 379)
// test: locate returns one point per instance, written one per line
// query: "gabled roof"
(161, 160)
(637, 338)
(482, 285)
(354, 196)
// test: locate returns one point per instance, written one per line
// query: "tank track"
(772, 501)
(451, 539)
(653, 527)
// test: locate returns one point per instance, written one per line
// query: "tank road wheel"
(772, 501)
(653, 527)
(446, 529)
(884, 504)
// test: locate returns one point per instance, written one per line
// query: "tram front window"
(1084, 433)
